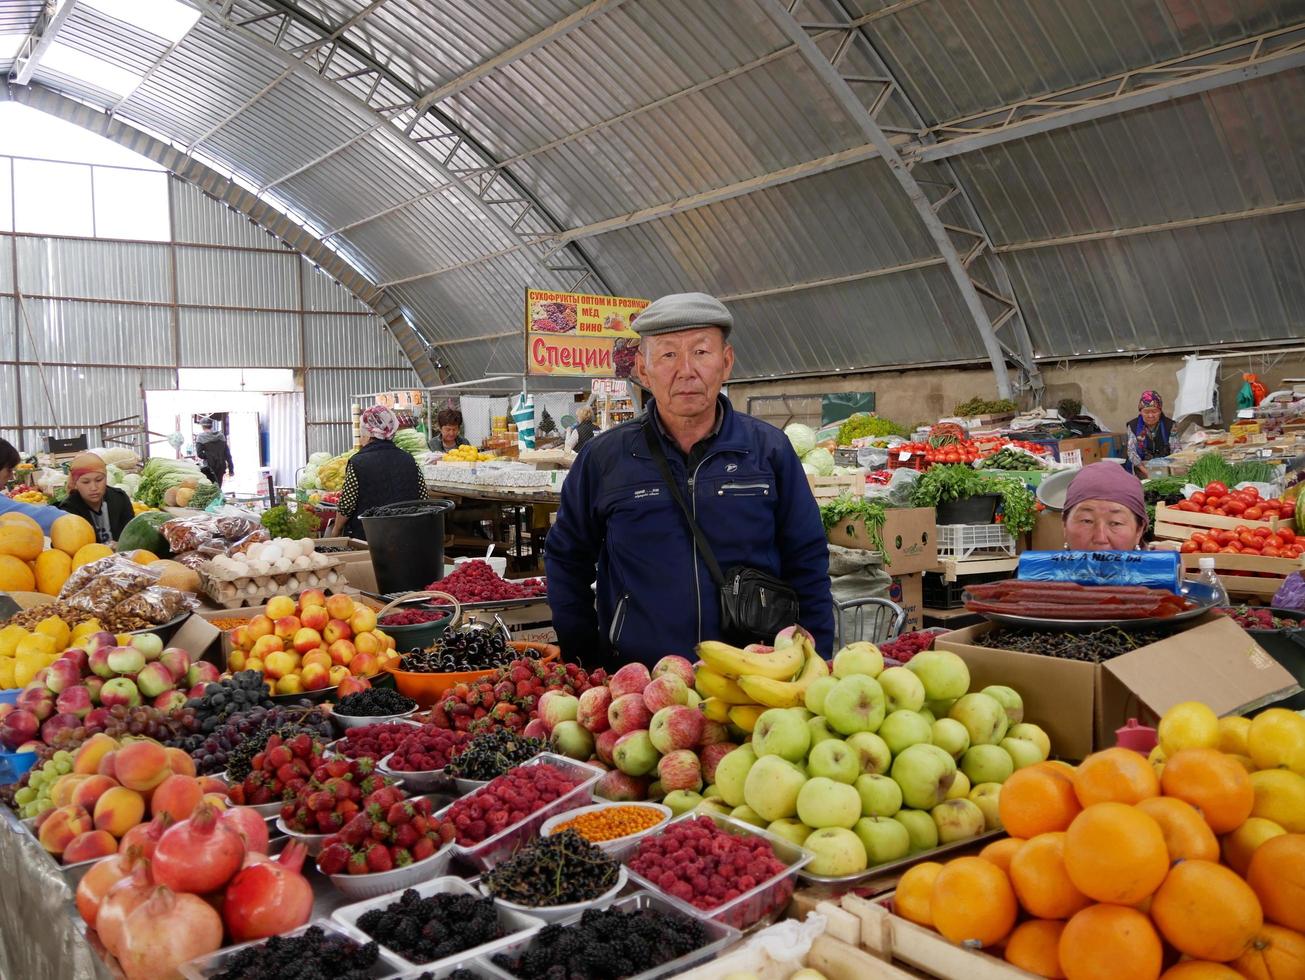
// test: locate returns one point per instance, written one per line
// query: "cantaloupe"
(70, 533)
(14, 517)
(90, 552)
(15, 575)
(52, 569)
(143, 557)
(21, 541)
(175, 575)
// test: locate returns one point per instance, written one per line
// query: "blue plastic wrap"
(1153, 569)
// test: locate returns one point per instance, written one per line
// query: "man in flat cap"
(620, 523)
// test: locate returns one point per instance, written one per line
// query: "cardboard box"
(354, 549)
(1048, 532)
(1081, 704)
(1093, 448)
(910, 538)
(908, 592)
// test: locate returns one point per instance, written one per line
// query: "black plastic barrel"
(406, 541)
(979, 509)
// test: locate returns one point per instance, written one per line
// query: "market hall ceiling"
(867, 182)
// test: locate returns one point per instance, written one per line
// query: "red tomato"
(1198, 538)
(1254, 513)
(1248, 540)
(1270, 551)
(1251, 492)
(1207, 509)
(1225, 537)
(1261, 532)
(1188, 548)
(1209, 548)
(1198, 498)
(1287, 534)
(1216, 486)
(1235, 507)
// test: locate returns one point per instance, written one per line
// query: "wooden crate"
(907, 945)
(1179, 525)
(953, 569)
(828, 487)
(1272, 572)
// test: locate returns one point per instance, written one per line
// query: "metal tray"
(842, 883)
(1195, 591)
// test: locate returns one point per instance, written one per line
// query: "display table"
(521, 501)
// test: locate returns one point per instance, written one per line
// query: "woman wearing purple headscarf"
(1149, 433)
(1104, 510)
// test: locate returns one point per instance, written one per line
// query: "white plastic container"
(387, 965)
(620, 846)
(395, 880)
(559, 913)
(360, 721)
(417, 781)
(311, 841)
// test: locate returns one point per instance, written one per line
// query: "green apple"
(871, 752)
(825, 803)
(943, 674)
(710, 790)
(951, 736)
(748, 815)
(987, 797)
(1023, 752)
(780, 732)
(904, 728)
(816, 692)
(856, 704)
(834, 760)
(801, 766)
(880, 796)
(987, 764)
(1008, 698)
(925, 773)
(714, 804)
(960, 787)
(771, 788)
(837, 851)
(921, 828)
(790, 829)
(801, 712)
(903, 691)
(731, 772)
(927, 715)
(940, 708)
(1031, 733)
(957, 820)
(819, 731)
(682, 801)
(884, 839)
(858, 658)
(983, 717)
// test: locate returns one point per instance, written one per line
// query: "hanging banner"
(578, 335)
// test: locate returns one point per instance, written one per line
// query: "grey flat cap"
(682, 311)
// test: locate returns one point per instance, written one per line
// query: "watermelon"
(143, 532)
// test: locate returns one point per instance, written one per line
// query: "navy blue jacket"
(655, 594)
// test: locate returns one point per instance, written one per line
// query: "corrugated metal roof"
(195, 218)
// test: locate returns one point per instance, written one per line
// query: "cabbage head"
(821, 460)
(801, 437)
(319, 458)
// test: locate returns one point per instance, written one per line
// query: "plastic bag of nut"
(156, 604)
(109, 565)
(116, 582)
(189, 533)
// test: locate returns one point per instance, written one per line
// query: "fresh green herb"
(865, 424)
(1209, 468)
(1254, 471)
(282, 522)
(940, 484)
(978, 406)
(848, 508)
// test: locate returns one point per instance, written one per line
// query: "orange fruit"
(1115, 775)
(999, 852)
(1115, 853)
(1037, 872)
(1035, 946)
(1274, 954)
(1206, 911)
(1200, 970)
(1110, 942)
(973, 902)
(915, 891)
(1214, 783)
(1038, 799)
(1277, 875)
(1241, 844)
(1187, 836)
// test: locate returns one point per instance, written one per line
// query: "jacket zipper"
(763, 487)
(693, 503)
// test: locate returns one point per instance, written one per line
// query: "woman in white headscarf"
(379, 473)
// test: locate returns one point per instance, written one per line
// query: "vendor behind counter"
(1105, 510)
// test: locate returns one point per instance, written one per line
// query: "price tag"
(1072, 457)
(904, 456)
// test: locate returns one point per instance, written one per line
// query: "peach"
(306, 640)
(289, 684)
(258, 627)
(254, 663)
(341, 651)
(390, 643)
(279, 607)
(367, 643)
(118, 810)
(142, 765)
(363, 620)
(109, 765)
(237, 660)
(364, 665)
(240, 638)
(312, 597)
(286, 627)
(319, 657)
(338, 673)
(314, 617)
(337, 629)
(179, 761)
(95, 748)
(265, 645)
(177, 796)
(62, 825)
(211, 784)
(278, 665)
(340, 607)
(89, 846)
(91, 789)
(61, 792)
(314, 677)
(352, 685)
(218, 801)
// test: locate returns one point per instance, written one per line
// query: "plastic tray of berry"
(635, 929)
(759, 878)
(336, 952)
(1264, 619)
(902, 648)
(372, 741)
(476, 586)
(498, 818)
(436, 923)
(420, 758)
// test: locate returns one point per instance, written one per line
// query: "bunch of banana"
(737, 685)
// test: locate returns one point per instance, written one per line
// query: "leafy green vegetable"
(159, 475)
(411, 441)
(864, 424)
(282, 522)
(978, 406)
(1254, 471)
(1210, 467)
(940, 484)
(845, 507)
(205, 494)
(1162, 487)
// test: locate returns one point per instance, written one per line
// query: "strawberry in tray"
(387, 833)
(281, 770)
(338, 789)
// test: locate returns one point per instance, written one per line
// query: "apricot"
(89, 846)
(109, 765)
(211, 784)
(95, 748)
(142, 765)
(62, 790)
(118, 810)
(62, 825)
(90, 789)
(176, 796)
(218, 801)
(179, 761)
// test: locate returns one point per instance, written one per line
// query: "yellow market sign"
(578, 335)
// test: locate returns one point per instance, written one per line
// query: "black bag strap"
(659, 456)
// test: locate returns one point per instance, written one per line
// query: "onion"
(145, 836)
(199, 854)
(250, 826)
(102, 876)
(119, 902)
(168, 929)
(269, 898)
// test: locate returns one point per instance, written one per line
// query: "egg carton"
(232, 593)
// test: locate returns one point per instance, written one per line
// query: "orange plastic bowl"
(426, 689)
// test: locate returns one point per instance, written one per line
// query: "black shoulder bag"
(754, 605)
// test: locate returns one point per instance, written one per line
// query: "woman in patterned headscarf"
(1149, 433)
(379, 473)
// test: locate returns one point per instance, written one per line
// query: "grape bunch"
(33, 799)
(172, 728)
(224, 698)
(236, 741)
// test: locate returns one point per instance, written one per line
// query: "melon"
(16, 575)
(88, 553)
(70, 533)
(175, 575)
(16, 517)
(21, 541)
(52, 569)
(142, 557)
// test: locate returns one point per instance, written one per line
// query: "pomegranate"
(269, 897)
(103, 875)
(145, 836)
(251, 827)
(164, 931)
(119, 902)
(199, 854)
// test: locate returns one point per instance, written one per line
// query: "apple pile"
(311, 644)
(879, 763)
(510, 697)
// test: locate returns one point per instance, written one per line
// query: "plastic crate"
(937, 593)
(961, 541)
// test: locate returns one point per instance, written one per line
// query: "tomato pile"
(1217, 499)
(963, 451)
(1243, 540)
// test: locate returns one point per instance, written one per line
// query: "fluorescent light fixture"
(9, 45)
(63, 60)
(167, 19)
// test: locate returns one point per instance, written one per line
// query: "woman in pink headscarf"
(379, 473)
(1150, 435)
(1104, 510)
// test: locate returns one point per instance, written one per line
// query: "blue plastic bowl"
(14, 764)
(10, 696)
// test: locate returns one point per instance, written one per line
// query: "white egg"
(319, 560)
(270, 552)
(313, 580)
(307, 546)
(292, 584)
(251, 589)
(260, 567)
(302, 563)
(282, 565)
(228, 591)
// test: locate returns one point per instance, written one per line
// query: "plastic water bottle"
(1207, 577)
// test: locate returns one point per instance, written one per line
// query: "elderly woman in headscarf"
(106, 508)
(1149, 434)
(1104, 510)
(379, 473)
